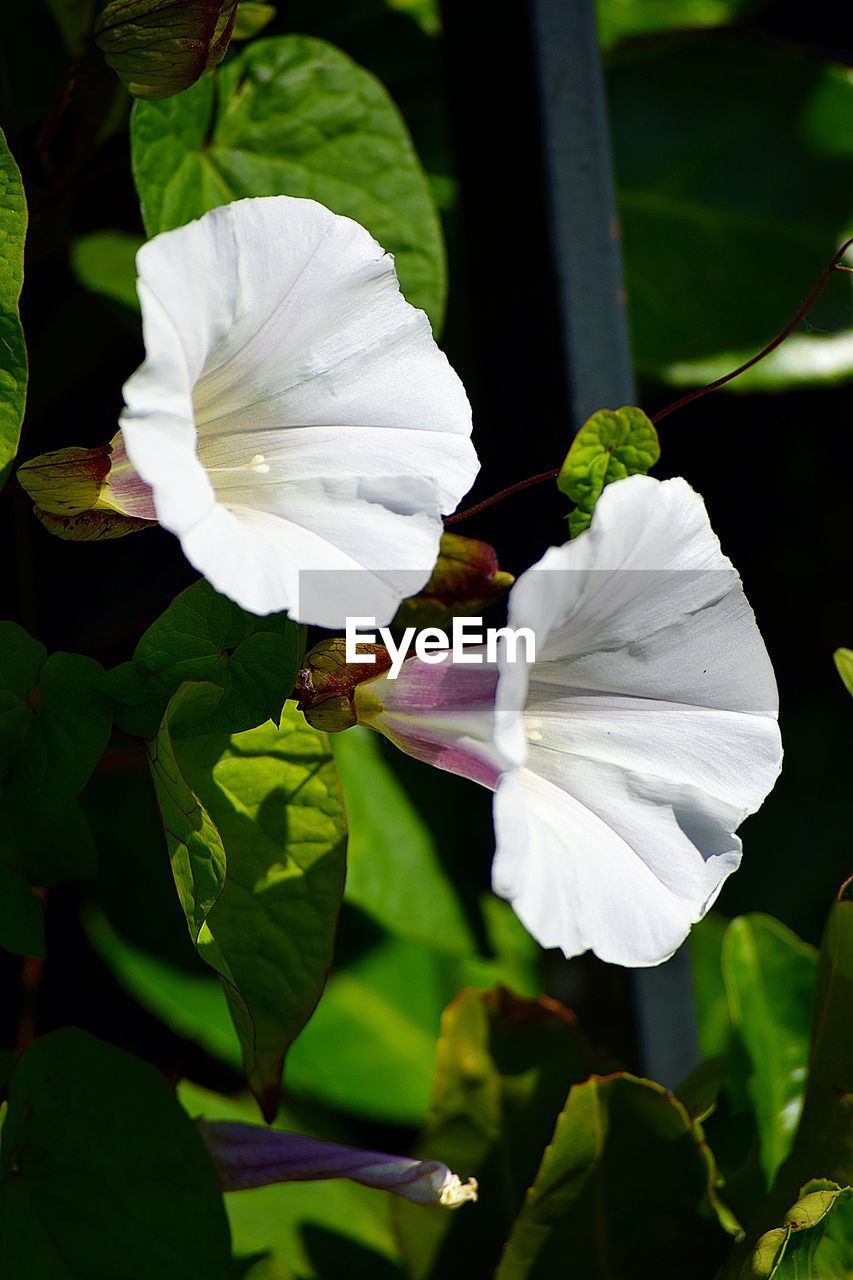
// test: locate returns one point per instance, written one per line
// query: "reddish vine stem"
(503, 493)
(802, 311)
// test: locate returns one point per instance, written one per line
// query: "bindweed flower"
(300, 430)
(247, 1155)
(627, 754)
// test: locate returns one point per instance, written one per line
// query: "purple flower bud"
(248, 1155)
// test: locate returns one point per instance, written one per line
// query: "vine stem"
(800, 314)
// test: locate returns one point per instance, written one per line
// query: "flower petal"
(651, 719)
(442, 713)
(287, 379)
(269, 563)
(587, 874)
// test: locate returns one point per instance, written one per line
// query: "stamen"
(258, 464)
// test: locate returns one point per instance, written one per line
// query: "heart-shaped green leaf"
(257, 837)
(293, 116)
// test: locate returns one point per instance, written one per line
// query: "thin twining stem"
(800, 314)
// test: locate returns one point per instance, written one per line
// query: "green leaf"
(502, 1072)
(68, 731)
(770, 977)
(370, 1046)
(622, 19)
(815, 1241)
(13, 351)
(252, 17)
(54, 725)
(203, 636)
(612, 444)
(844, 664)
(824, 1143)
(158, 48)
(394, 872)
(102, 1173)
(320, 1230)
(21, 661)
(256, 833)
(626, 1188)
(105, 263)
(722, 241)
(21, 912)
(293, 116)
(712, 1006)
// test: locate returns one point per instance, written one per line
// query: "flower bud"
(327, 683)
(247, 1155)
(160, 47)
(465, 581)
(88, 494)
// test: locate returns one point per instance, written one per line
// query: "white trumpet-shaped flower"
(299, 428)
(626, 755)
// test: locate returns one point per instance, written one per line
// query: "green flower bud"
(326, 685)
(88, 494)
(158, 48)
(465, 581)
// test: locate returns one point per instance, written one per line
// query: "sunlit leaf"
(105, 263)
(370, 1045)
(722, 241)
(503, 1069)
(293, 116)
(844, 664)
(622, 19)
(625, 1188)
(252, 17)
(95, 1145)
(814, 1242)
(13, 351)
(823, 1146)
(394, 871)
(770, 976)
(256, 833)
(612, 444)
(712, 1007)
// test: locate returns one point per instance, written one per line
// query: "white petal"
(636, 584)
(579, 881)
(285, 374)
(651, 719)
(268, 563)
(440, 712)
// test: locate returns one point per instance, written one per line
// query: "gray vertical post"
(582, 205)
(586, 248)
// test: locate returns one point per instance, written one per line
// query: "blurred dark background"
(774, 468)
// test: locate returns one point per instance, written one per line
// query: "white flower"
(300, 429)
(627, 754)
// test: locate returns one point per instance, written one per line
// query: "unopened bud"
(247, 1156)
(160, 47)
(465, 581)
(327, 683)
(88, 494)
